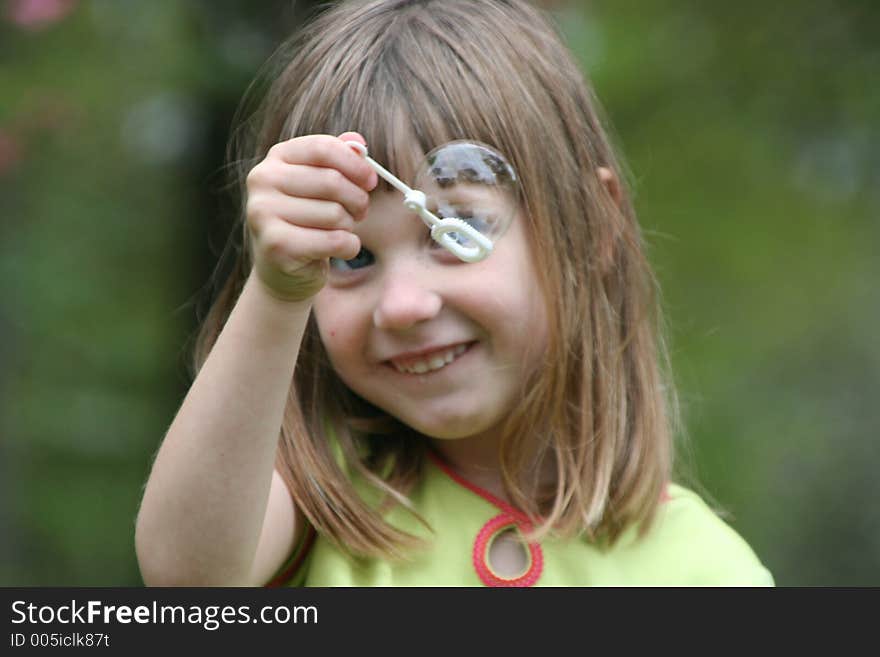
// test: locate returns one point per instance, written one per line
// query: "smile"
(428, 362)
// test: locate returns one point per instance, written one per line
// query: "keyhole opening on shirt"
(507, 554)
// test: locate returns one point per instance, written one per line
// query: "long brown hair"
(425, 72)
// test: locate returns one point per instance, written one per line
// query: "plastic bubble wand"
(415, 200)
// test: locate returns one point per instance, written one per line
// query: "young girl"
(371, 410)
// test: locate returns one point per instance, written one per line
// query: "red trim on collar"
(510, 517)
(481, 557)
(482, 492)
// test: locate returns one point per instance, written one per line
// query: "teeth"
(434, 362)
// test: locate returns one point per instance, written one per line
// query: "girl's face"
(441, 345)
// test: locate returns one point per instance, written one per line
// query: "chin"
(448, 427)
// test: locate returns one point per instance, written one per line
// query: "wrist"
(288, 290)
(285, 301)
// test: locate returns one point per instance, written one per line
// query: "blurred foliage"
(751, 131)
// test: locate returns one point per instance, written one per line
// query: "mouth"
(431, 361)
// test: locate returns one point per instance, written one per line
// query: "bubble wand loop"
(415, 200)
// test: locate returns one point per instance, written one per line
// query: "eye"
(364, 258)
(483, 222)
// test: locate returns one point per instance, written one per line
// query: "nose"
(405, 301)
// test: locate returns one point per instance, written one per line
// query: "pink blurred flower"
(38, 14)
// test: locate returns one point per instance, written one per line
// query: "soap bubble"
(472, 182)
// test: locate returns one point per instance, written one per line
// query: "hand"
(303, 201)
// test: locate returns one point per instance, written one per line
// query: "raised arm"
(213, 513)
(206, 501)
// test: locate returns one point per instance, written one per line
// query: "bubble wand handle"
(415, 200)
(382, 171)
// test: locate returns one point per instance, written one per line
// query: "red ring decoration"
(481, 546)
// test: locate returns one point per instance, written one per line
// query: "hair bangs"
(412, 89)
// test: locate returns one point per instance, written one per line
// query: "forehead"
(468, 162)
(463, 179)
(460, 171)
(387, 217)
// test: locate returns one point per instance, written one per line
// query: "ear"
(612, 184)
(607, 250)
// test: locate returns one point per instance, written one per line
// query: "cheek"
(512, 294)
(335, 326)
(538, 325)
(525, 309)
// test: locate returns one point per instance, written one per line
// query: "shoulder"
(697, 548)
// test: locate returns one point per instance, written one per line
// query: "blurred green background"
(752, 131)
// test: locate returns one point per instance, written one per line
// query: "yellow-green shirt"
(688, 545)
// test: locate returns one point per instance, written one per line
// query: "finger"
(327, 151)
(356, 136)
(321, 183)
(353, 136)
(307, 212)
(314, 213)
(288, 247)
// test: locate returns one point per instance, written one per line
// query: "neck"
(477, 460)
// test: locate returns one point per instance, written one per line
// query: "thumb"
(353, 136)
(373, 179)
